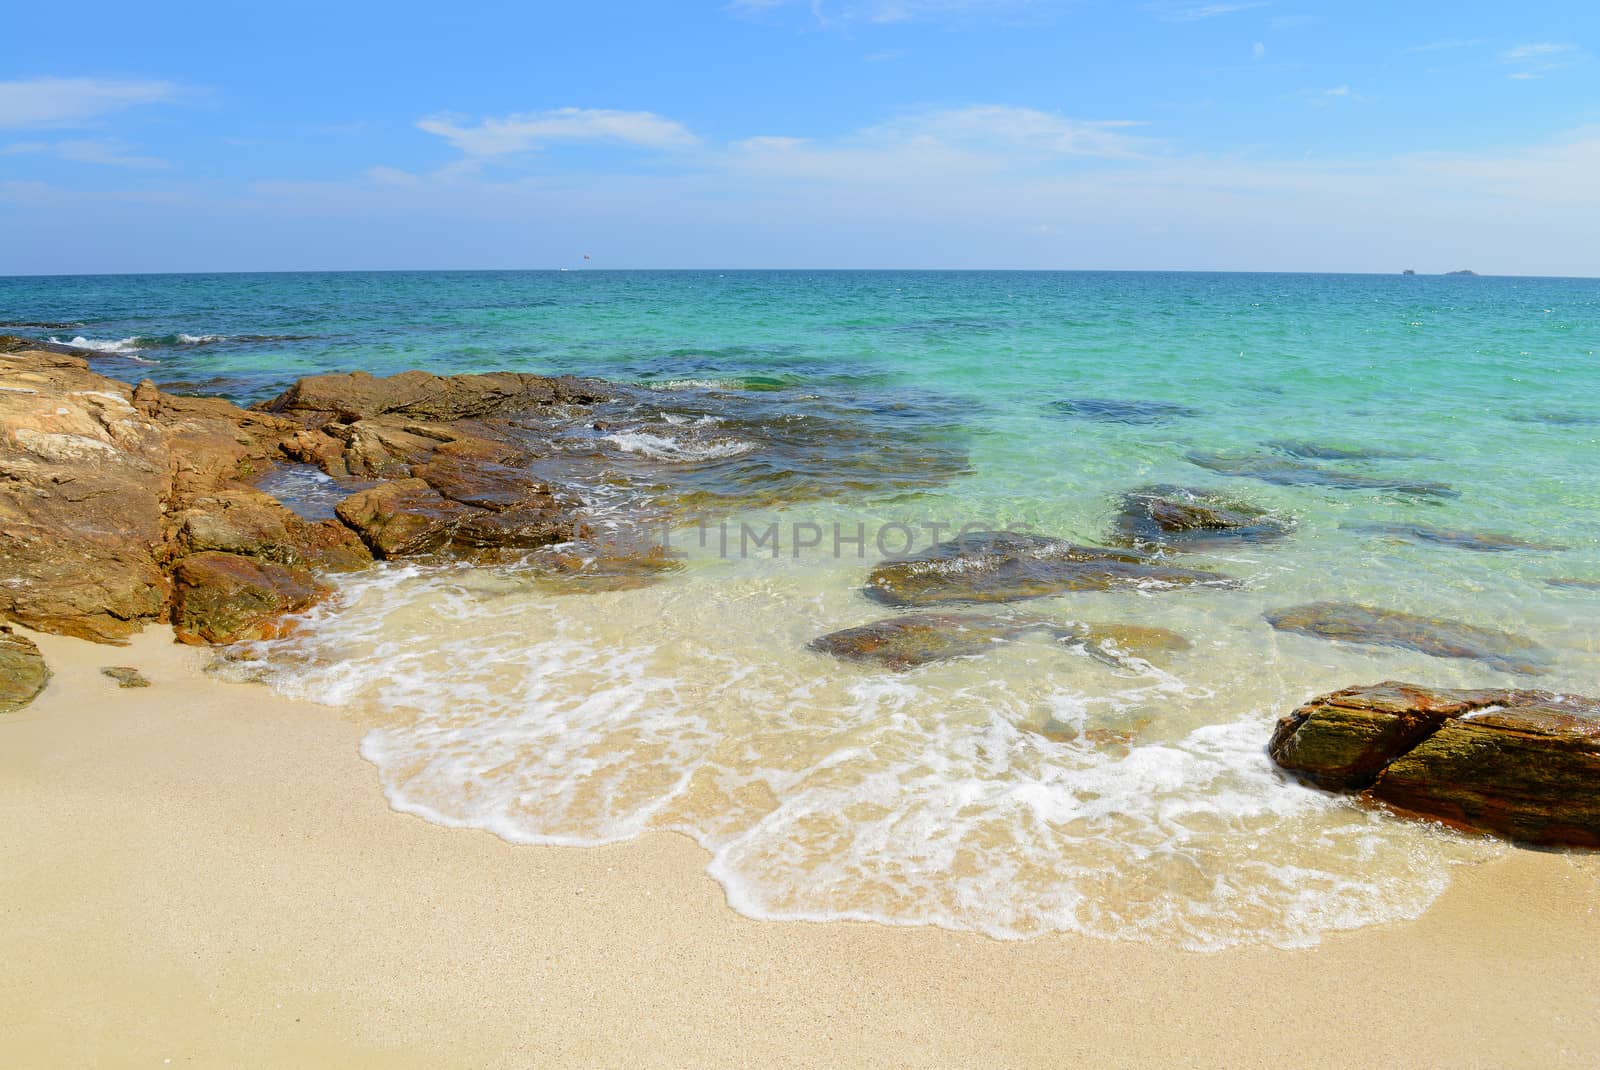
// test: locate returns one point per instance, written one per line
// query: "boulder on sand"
(23, 673)
(226, 598)
(1522, 764)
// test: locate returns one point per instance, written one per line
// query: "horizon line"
(1458, 273)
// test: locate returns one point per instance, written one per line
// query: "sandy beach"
(202, 873)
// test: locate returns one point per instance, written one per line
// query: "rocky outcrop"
(23, 673)
(226, 598)
(1351, 623)
(1184, 518)
(121, 506)
(1002, 566)
(418, 395)
(921, 638)
(84, 479)
(1522, 764)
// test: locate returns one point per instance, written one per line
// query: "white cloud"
(1445, 45)
(1536, 50)
(973, 141)
(106, 151)
(1324, 97)
(522, 133)
(1195, 12)
(1540, 58)
(46, 102)
(840, 13)
(1026, 128)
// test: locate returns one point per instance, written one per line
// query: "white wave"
(695, 384)
(667, 449)
(828, 792)
(201, 339)
(124, 347)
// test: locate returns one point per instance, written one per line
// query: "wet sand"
(203, 873)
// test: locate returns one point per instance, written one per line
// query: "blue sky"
(1206, 134)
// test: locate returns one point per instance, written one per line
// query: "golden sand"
(202, 873)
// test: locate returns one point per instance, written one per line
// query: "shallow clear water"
(1028, 790)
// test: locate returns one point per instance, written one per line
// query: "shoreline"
(206, 872)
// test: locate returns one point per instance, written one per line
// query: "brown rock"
(1344, 740)
(375, 451)
(211, 442)
(406, 517)
(487, 484)
(126, 676)
(1522, 764)
(103, 488)
(403, 517)
(83, 479)
(225, 598)
(422, 396)
(316, 447)
(255, 524)
(523, 527)
(23, 673)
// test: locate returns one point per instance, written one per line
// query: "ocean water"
(1027, 790)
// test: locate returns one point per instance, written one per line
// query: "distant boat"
(1408, 271)
(1463, 271)
(586, 256)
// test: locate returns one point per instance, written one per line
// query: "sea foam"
(826, 792)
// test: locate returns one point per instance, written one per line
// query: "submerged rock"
(577, 568)
(906, 642)
(1482, 542)
(1321, 451)
(1183, 518)
(920, 638)
(1351, 623)
(1573, 582)
(23, 673)
(1522, 764)
(1001, 566)
(126, 676)
(226, 598)
(1123, 411)
(1286, 472)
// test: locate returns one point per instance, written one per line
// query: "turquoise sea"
(1024, 791)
